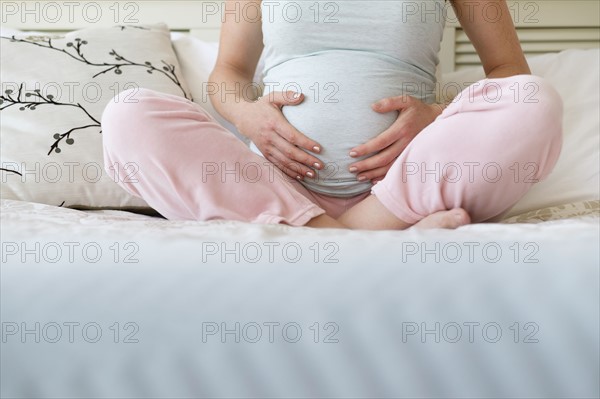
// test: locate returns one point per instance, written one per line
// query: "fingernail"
(310, 174)
(353, 153)
(299, 178)
(317, 165)
(296, 96)
(362, 178)
(317, 148)
(353, 169)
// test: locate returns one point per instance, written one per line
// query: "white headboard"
(543, 25)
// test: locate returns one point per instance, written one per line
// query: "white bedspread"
(524, 298)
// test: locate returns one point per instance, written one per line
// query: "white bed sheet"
(374, 290)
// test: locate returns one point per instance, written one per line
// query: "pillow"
(197, 59)
(576, 76)
(53, 91)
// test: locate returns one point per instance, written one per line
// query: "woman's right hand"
(264, 123)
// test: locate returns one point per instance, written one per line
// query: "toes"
(445, 220)
(459, 217)
(454, 218)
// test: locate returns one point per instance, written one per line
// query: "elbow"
(506, 70)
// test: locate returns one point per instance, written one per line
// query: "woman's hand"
(414, 116)
(264, 123)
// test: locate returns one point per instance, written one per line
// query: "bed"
(102, 298)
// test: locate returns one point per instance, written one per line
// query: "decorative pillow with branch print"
(54, 89)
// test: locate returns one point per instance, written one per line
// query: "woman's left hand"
(414, 116)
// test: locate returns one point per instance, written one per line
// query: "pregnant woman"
(346, 132)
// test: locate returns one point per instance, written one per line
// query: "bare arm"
(239, 51)
(495, 40)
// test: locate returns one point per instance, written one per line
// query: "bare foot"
(444, 220)
(440, 220)
(370, 214)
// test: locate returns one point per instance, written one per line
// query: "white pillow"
(576, 76)
(77, 77)
(197, 58)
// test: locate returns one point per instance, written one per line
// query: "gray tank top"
(343, 55)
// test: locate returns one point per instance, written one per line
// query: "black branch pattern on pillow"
(11, 171)
(22, 99)
(77, 54)
(123, 27)
(75, 51)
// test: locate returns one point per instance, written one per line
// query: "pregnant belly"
(336, 111)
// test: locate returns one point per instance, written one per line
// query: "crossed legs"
(473, 163)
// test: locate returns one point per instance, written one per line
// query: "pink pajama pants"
(483, 153)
